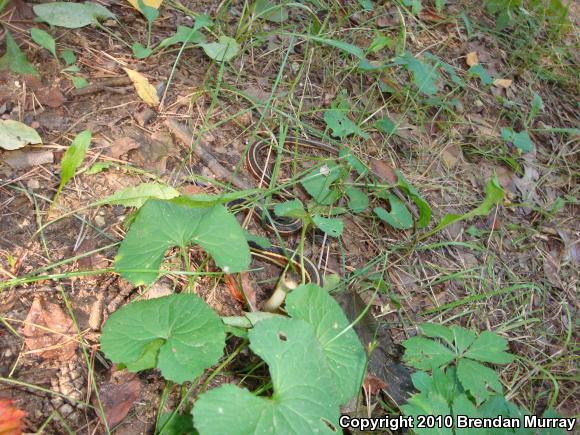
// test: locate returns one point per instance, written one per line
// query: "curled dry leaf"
(471, 59)
(49, 332)
(145, 90)
(10, 418)
(502, 83)
(22, 159)
(119, 395)
(247, 292)
(122, 146)
(384, 170)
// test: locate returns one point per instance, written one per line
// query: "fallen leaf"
(49, 332)
(119, 395)
(247, 292)
(151, 3)
(373, 385)
(10, 418)
(51, 97)
(384, 170)
(15, 134)
(450, 155)
(145, 90)
(21, 159)
(471, 59)
(122, 146)
(502, 83)
(430, 15)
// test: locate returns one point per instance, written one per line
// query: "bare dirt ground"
(514, 272)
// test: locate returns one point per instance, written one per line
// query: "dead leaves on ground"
(145, 90)
(49, 332)
(10, 418)
(118, 396)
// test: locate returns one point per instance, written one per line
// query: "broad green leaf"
(162, 224)
(293, 208)
(353, 161)
(71, 15)
(140, 52)
(304, 399)
(262, 242)
(43, 39)
(224, 50)
(271, 11)
(520, 140)
(479, 71)
(187, 336)
(463, 338)
(551, 413)
(182, 35)
(15, 135)
(498, 405)
(422, 205)
(424, 74)
(427, 404)
(478, 379)
(73, 157)
(435, 330)
(137, 196)
(178, 424)
(381, 41)
(358, 201)
(137, 4)
(15, 60)
(205, 200)
(367, 5)
(463, 407)
(425, 354)
(319, 181)
(399, 217)
(385, 125)
(337, 120)
(68, 56)
(331, 226)
(344, 353)
(446, 384)
(491, 348)
(150, 12)
(422, 381)
(79, 82)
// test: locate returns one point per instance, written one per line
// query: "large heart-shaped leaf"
(343, 350)
(71, 15)
(318, 183)
(163, 224)
(399, 217)
(224, 50)
(304, 400)
(179, 334)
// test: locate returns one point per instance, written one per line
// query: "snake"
(284, 226)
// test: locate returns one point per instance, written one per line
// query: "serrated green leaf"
(427, 404)
(462, 406)
(425, 354)
(162, 224)
(140, 52)
(435, 330)
(224, 50)
(318, 183)
(399, 217)
(331, 226)
(73, 156)
(422, 381)
(71, 15)
(15, 60)
(183, 35)
(304, 397)
(463, 338)
(358, 201)
(191, 333)
(425, 75)
(136, 196)
(478, 379)
(446, 384)
(491, 348)
(43, 39)
(422, 205)
(15, 135)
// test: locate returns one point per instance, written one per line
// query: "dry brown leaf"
(119, 395)
(247, 292)
(430, 15)
(384, 171)
(145, 90)
(502, 83)
(471, 59)
(51, 97)
(49, 332)
(21, 159)
(10, 418)
(450, 155)
(122, 146)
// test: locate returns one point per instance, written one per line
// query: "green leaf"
(353, 161)
(537, 105)
(187, 336)
(422, 205)
(319, 181)
(150, 13)
(399, 217)
(520, 140)
(205, 200)
(435, 330)
(424, 75)
(44, 39)
(79, 82)
(337, 120)
(477, 379)
(425, 354)
(68, 56)
(162, 224)
(183, 35)
(137, 196)
(479, 71)
(381, 41)
(15, 60)
(344, 46)
(275, 12)
(463, 338)
(222, 51)
(139, 51)
(71, 15)
(15, 135)
(427, 404)
(491, 348)
(99, 167)
(293, 208)
(73, 157)
(358, 201)
(331, 226)
(262, 242)
(304, 400)
(385, 125)
(175, 424)
(344, 353)
(462, 406)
